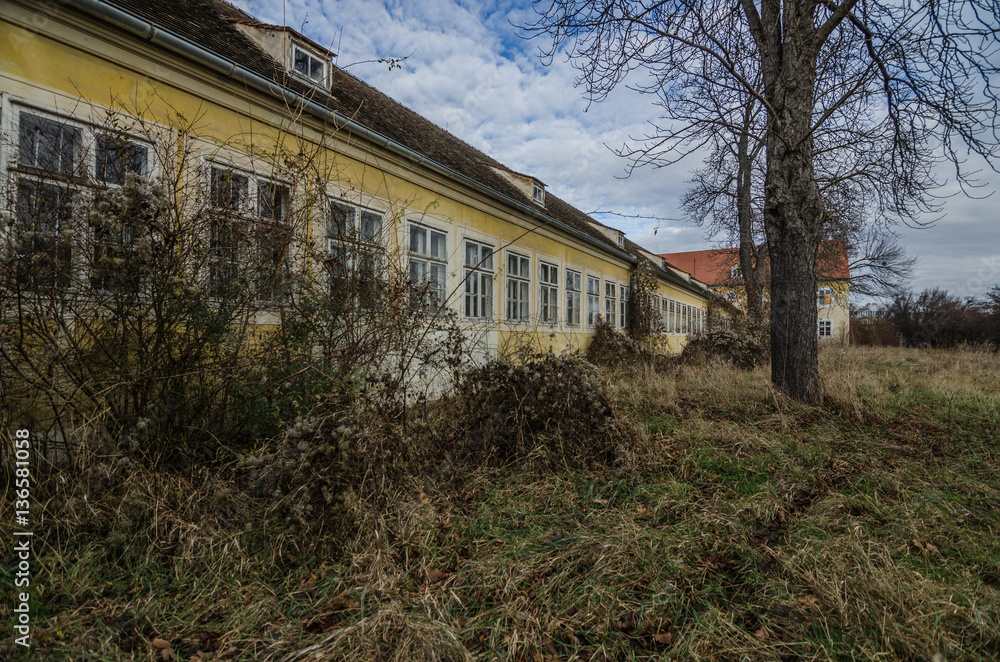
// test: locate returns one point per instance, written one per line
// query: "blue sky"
(468, 71)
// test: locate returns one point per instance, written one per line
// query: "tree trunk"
(793, 205)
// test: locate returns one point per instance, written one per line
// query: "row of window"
(557, 301)
(681, 318)
(250, 229)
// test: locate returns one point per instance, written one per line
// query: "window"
(593, 300)
(621, 240)
(610, 307)
(518, 288)
(44, 252)
(308, 65)
(548, 277)
(735, 273)
(116, 157)
(354, 242)
(826, 328)
(428, 264)
(478, 280)
(672, 318)
(623, 307)
(57, 162)
(573, 286)
(665, 314)
(248, 240)
(538, 194)
(824, 297)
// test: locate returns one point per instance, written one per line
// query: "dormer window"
(308, 64)
(735, 273)
(621, 240)
(538, 194)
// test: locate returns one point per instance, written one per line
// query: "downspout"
(157, 35)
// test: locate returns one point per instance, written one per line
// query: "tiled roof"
(210, 24)
(714, 266)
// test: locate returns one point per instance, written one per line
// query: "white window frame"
(624, 293)
(548, 293)
(664, 314)
(78, 182)
(825, 328)
(355, 246)
(593, 300)
(821, 295)
(313, 55)
(479, 273)
(574, 295)
(248, 211)
(518, 291)
(538, 194)
(610, 302)
(432, 264)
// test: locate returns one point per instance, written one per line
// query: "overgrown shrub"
(547, 409)
(611, 348)
(744, 349)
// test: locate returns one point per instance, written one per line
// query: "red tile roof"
(715, 266)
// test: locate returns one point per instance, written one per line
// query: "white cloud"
(467, 71)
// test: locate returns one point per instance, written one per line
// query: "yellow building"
(720, 269)
(202, 94)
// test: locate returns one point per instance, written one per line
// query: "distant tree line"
(935, 318)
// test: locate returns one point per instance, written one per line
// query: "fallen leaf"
(167, 654)
(601, 501)
(762, 633)
(160, 643)
(665, 638)
(435, 576)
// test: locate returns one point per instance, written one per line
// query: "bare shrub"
(745, 349)
(548, 409)
(611, 348)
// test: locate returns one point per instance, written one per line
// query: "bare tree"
(919, 74)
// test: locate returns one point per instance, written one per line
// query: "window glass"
(116, 157)
(573, 283)
(49, 145)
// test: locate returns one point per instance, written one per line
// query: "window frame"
(823, 293)
(436, 295)
(574, 299)
(323, 81)
(521, 284)
(478, 280)
(828, 324)
(78, 183)
(624, 294)
(548, 293)
(593, 301)
(610, 302)
(353, 254)
(249, 212)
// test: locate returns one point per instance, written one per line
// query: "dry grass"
(747, 527)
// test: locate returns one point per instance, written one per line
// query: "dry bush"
(612, 348)
(548, 409)
(745, 349)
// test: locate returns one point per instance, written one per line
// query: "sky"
(466, 68)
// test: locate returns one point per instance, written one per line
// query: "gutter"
(149, 32)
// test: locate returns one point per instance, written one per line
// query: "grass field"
(743, 527)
